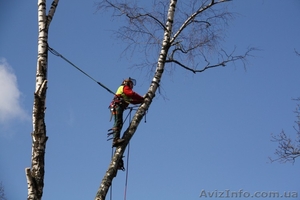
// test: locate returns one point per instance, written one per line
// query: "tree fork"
(35, 174)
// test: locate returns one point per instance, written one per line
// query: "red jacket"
(128, 96)
(135, 98)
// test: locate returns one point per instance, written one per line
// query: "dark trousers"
(118, 117)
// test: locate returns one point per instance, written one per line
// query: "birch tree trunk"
(113, 167)
(190, 37)
(35, 174)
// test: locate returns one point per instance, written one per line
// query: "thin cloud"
(10, 107)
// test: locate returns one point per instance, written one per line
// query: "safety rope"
(127, 169)
(54, 52)
(127, 163)
(111, 187)
(126, 178)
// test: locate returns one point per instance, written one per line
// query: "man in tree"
(124, 96)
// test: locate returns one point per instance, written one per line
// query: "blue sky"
(208, 132)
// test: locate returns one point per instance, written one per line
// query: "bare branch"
(226, 58)
(192, 18)
(288, 150)
(132, 13)
(51, 12)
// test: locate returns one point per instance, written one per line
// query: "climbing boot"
(117, 142)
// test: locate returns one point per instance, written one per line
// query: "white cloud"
(10, 107)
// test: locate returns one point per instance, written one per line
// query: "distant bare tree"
(2, 193)
(35, 175)
(183, 34)
(288, 149)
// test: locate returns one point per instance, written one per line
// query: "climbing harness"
(118, 100)
(54, 52)
(111, 131)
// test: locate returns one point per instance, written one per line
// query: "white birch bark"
(168, 48)
(113, 167)
(35, 174)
